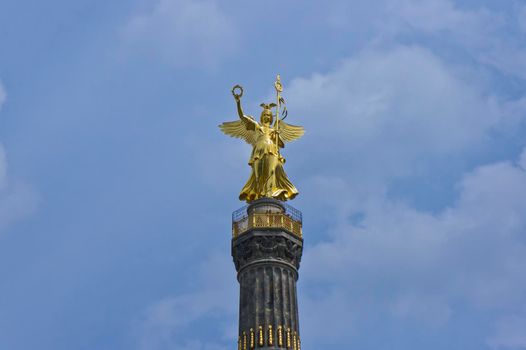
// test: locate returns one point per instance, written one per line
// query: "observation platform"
(264, 214)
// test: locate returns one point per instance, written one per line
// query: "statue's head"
(266, 114)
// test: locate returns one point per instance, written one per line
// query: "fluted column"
(267, 257)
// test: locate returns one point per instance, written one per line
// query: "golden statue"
(267, 179)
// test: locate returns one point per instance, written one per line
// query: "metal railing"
(290, 220)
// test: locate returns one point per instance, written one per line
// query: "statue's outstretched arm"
(239, 108)
(248, 121)
(242, 128)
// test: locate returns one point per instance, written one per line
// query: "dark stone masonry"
(267, 248)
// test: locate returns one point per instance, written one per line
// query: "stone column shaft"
(267, 261)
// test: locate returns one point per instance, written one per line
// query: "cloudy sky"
(116, 186)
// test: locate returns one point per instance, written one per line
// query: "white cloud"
(16, 199)
(486, 34)
(167, 323)
(382, 110)
(522, 160)
(379, 116)
(442, 15)
(399, 263)
(183, 33)
(510, 333)
(16, 202)
(3, 169)
(2, 95)
(430, 308)
(327, 315)
(494, 37)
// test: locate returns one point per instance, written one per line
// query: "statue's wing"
(289, 132)
(245, 129)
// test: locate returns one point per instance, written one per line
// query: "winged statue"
(267, 178)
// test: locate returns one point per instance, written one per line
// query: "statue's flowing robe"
(267, 178)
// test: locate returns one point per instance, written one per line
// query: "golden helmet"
(267, 112)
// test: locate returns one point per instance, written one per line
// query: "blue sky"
(116, 186)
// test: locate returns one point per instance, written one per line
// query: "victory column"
(267, 240)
